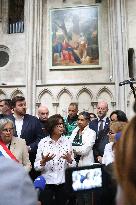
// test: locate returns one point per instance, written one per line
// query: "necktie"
(101, 125)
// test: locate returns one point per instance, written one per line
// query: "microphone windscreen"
(39, 183)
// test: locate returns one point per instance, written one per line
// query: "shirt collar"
(60, 140)
(16, 118)
(85, 129)
(103, 119)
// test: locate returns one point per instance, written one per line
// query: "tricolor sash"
(5, 152)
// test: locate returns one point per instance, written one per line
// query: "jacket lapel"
(107, 123)
(25, 124)
(13, 144)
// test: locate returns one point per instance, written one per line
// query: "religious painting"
(74, 37)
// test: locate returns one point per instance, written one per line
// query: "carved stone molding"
(38, 104)
(113, 104)
(94, 104)
(55, 104)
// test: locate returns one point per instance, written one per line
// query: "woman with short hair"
(14, 147)
(54, 155)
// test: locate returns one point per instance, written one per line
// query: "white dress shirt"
(18, 124)
(108, 156)
(86, 150)
(54, 170)
(99, 122)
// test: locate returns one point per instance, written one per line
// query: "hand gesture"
(46, 158)
(99, 159)
(67, 157)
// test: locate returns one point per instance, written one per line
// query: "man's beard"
(22, 113)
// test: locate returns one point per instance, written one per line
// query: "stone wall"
(28, 71)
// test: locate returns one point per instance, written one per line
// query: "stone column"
(33, 27)
(0, 16)
(118, 37)
(3, 16)
(0, 10)
(94, 105)
(38, 31)
(55, 106)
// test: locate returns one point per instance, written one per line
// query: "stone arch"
(2, 94)
(103, 91)
(46, 97)
(84, 98)
(64, 90)
(106, 95)
(16, 92)
(64, 98)
(44, 91)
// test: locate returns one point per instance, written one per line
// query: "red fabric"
(8, 151)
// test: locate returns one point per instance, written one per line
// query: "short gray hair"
(4, 121)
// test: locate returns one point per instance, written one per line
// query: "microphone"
(127, 82)
(39, 184)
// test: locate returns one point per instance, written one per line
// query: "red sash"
(8, 152)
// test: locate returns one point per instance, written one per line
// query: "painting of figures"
(74, 37)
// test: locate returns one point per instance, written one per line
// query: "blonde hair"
(117, 126)
(125, 162)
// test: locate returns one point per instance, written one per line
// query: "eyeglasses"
(7, 129)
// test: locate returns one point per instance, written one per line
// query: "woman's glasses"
(7, 129)
(59, 124)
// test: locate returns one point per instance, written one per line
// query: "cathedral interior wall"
(57, 88)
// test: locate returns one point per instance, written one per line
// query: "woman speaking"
(54, 155)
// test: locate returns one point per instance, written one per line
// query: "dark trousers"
(54, 195)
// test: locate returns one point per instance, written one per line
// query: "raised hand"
(46, 158)
(67, 157)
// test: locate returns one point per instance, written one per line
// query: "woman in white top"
(83, 139)
(54, 155)
(115, 127)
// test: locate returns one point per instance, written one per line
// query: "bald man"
(101, 126)
(102, 109)
(43, 114)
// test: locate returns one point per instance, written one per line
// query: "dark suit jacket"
(31, 131)
(94, 124)
(101, 137)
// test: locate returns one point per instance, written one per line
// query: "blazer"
(19, 150)
(31, 131)
(86, 149)
(94, 124)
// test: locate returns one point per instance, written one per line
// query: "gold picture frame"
(74, 38)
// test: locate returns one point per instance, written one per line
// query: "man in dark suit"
(27, 127)
(100, 126)
(43, 114)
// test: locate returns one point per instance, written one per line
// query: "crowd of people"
(48, 145)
